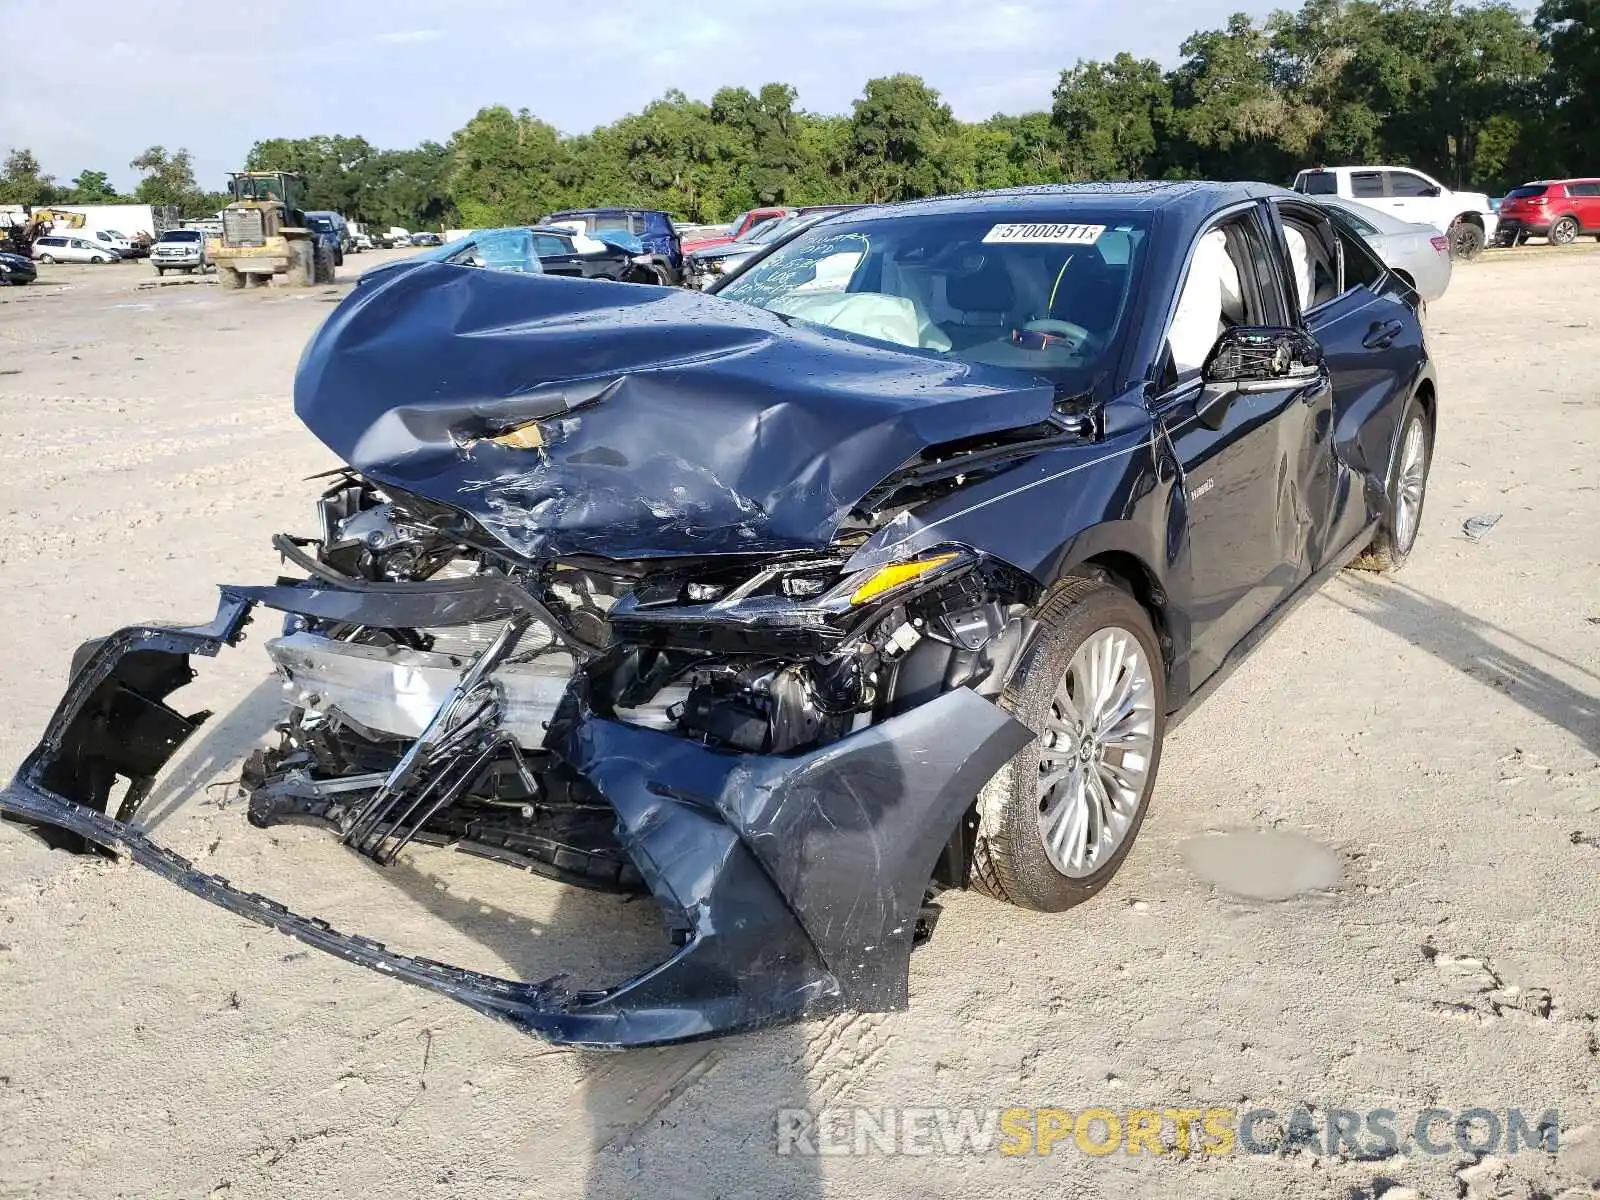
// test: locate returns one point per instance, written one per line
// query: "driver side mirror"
(1431, 190)
(1249, 359)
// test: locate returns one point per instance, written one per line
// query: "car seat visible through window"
(977, 304)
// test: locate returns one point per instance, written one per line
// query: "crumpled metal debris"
(1476, 527)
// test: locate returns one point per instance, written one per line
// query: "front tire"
(1564, 232)
(45, 258)
(1057, 821)
(1407, 489)
(1466, 239)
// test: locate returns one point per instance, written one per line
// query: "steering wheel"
(1076, 334)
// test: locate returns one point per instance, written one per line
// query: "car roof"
(600, 212)
(1366, 167)
(1056, 198)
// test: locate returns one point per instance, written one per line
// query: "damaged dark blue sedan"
(880, 571)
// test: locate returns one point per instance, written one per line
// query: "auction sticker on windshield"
(1057, 235)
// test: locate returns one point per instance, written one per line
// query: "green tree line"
(1480, 95)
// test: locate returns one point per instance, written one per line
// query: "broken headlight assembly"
(805, 651)
(818, 601)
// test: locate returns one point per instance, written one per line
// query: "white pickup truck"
(1408, 194)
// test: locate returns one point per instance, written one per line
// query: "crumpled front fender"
(791, 885)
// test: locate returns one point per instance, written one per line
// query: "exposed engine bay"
(439, 734)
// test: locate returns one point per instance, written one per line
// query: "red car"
(742, 224)
(1558, 209)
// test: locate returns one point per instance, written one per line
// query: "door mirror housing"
(1254, 359)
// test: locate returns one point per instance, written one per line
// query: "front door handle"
(1382, 335)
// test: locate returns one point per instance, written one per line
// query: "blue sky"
(121, 75)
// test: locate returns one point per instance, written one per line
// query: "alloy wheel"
(1096, 753)
(1410, 485)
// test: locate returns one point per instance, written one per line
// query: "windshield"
(181, 235)
(1049, 296)
(754, 233)
(782, 227)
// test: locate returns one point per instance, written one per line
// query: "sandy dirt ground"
(1433, 739)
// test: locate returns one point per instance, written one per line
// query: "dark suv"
(653, 228)
(1558, 209)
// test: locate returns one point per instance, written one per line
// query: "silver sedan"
(1419, 254)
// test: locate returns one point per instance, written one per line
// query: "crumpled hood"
(671, 423)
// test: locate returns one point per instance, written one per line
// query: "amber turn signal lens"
(890, 577)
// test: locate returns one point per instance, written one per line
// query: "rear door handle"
(1382, 335)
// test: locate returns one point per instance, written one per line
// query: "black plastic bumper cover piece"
(794, 883)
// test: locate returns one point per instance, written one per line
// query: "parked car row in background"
(1415, 223)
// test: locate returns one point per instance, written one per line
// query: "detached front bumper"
(793, 885)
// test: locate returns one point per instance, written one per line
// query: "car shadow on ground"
(669, 1101)
(1474, 647)
(686, 1107)
(215, 755)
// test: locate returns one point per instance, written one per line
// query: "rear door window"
(1404, 183)
(1361, 267)
(1366, 183)
(1584, 190)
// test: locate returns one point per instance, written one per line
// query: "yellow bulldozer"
(265, 238)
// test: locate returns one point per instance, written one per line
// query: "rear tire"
(1466, 240)
(45, 258)
(1015, 808)
(1407, 489)
(160, 271)
(1564, 232)
(322, 266)
(229, 278)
